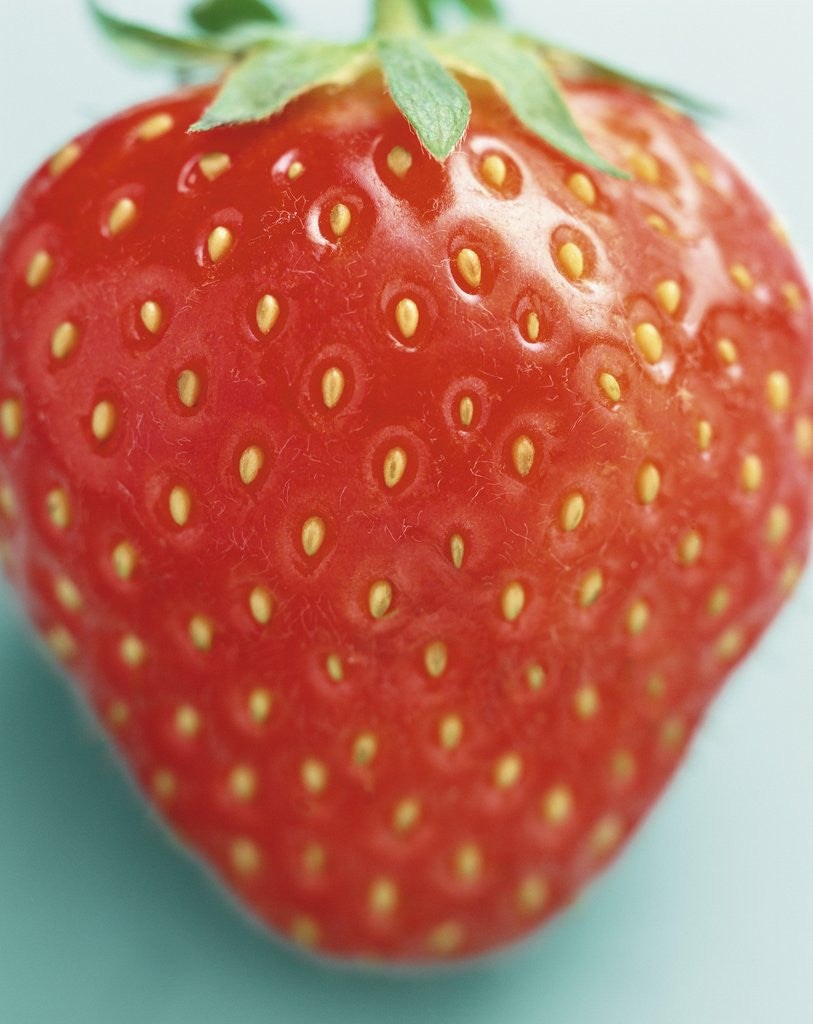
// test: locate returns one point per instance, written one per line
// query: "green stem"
(395, 17)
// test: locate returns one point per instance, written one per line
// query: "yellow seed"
(435, 657)
(340, 218)
(610, 386)
(522, 454)
(690, 547)
(793, 296)
(590, 587)
(466, 410)
(124, 558)
(606, 835)
(623, 765)
(778, 527)
(152, 316)
(469, 862)
(512, 601)
(251, 462)
(494, 170)
(777, 389)
(39, 269)
(532, 894)
(572, 512)
(332, 387)
(58, 507)
(314, 858)
(260, 705)
(334, 667)
(67, 593)
(187, 721)
(673, 732)
(704, 435)
(702, 172)
(532, 326)
(379, 598)
(446, 938)
(450, 731)
(790, 577)
(727, 351)
(383, 896)
(242, 782)
(201, 633)
(803, 433)
(245, 857)
(62, 643)
(648, 483)
(164, 784)
(180, 505)
(751, 473)
(63, 340)
(103, 420)
(212, 165)
(582, 188)
(535, 677)
(718, 601)
(571, 260)
(219, 243)
(305, 931)
(457, 547)
(741, 276)
(406, 814)
(658, 223)
(557, 805)
(780, 231)
(11, 418)
(637, 618)
(399, 161)
(507, 770)
(407, 316)
(313, 774)
(261, 605)
(649, 341)
(656, 686)
(132, 650)
(188, 386)
(267, 313)
(365, 747)
(395, 463)
(156, 126)
(65, 158)
(118, 714)
(669, 295)
(470, 268)
(645, 167)
(730, 644)
(586, 701)
(122, 216)
(313, 535)
(295, 170)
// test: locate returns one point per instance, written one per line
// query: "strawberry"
(400, 490)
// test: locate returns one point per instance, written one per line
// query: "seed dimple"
(267, 313)
(466, 410)
(103, 420)
(535, 678)
(187, 721)
(582, 188)
(245, 857)
(132, 650)
(803, 435)
(457, 547)
(507, 770)
(512, 601)
(251, 462)
(522, 454)
(11, 418)
(188, 386)
(727, 351)
(637, 617)
(645, 167)
(365, 747)
(379, 598)
(58, 507)
(383, 896)
(532, 326)
(778, 526)
(332, 387)
(532, 894)
(406, 814)
(557, 805)
(793, 296)
(62, 643)
(124, 559)
(261, 605)
(586, 701)
(751, 473)
(340, 218)
(730, 644)
(295, 170)
(741, 276)
(648, 483)
(260, 705)
(164, 784)
(313, 774)
(469, 862)
(399, 161)
(668, 293)
(65, 158)
(219, 243)
(704, 435)
(435, 657)
(690, 547)
(610, 386)
(450, 732)
(313, 535)
(649, 342)
(212, 165)
(778, 390)
(63, 340)
(407, 316)
(39, 269)
(571, 260)
(122, 216)
(590, 588)
(718, 601)
(156, 126)
(152, 316)
(67, 593)
(494, 170)
(470, 267)
(243, 782)
(395, 463)
(201, 633)
(180, 505)
(572, 511)
(334, 667)
(446, 938)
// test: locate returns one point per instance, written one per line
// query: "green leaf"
(148, 45)
(269, 79)
(433, 102)
(488, 9)
(530, 89)
(219, 16)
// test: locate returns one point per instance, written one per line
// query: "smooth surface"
(708, 917)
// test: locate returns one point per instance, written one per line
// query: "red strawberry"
(401, 517)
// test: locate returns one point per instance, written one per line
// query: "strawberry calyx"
(267, 65)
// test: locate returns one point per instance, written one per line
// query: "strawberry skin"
(400, 520)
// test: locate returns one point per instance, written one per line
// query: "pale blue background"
(708, 919)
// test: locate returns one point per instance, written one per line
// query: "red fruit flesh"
(404, 625)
